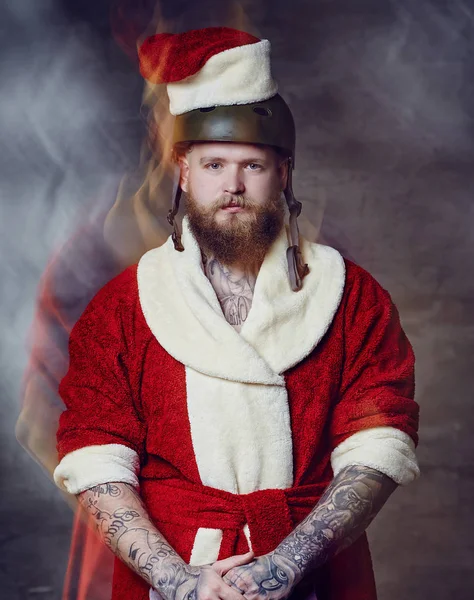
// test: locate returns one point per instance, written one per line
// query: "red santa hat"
(217, 66)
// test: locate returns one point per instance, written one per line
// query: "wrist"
(287, 563)
(172, 577)
(303, 556)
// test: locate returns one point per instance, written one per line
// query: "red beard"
(243, 237)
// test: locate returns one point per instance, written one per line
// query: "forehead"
(231, 151)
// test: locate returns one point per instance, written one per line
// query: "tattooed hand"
(206, 582)
(270, 577)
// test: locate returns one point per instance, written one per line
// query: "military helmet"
(268, 122)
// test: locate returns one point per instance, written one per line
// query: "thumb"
(222, 566)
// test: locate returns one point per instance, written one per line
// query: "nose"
(234, 181)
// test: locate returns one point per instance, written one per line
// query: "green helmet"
(268, 122)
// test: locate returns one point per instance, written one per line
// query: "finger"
(229, 593)
(238, 583)
(226, 564)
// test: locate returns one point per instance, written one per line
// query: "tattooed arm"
(343, 513)
(123, 523)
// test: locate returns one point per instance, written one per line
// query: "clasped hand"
(268, 577)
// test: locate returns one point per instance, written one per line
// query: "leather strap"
(176, 235)
(297, 268)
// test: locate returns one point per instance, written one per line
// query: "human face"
(234, 198)
(227, 169)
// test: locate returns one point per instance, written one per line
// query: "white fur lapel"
(285, 326)
(182, 310)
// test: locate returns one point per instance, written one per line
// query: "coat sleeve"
(101, 433)
(375, 420)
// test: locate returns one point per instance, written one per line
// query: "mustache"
(237, 200)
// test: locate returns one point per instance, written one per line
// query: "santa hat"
(217, 66)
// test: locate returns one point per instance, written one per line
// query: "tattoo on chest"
(234, 291)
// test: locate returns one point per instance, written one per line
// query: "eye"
(254, 166)
(213, 166)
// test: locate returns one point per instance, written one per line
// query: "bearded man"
(240, 403)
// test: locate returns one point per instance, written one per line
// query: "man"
(240, 403)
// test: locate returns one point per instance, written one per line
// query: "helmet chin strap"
(297, 268)
(176, 235)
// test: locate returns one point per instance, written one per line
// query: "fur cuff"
(93, 465)
(386, 449)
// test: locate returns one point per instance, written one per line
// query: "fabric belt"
(270, 514)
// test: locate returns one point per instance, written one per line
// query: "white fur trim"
(283, 327)
(207, 544)
(247, 535)
(387, 449)
(237, 76)
(184, 314)
(241, 434)
(95, 465)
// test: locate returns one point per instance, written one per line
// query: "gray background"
(382, 93)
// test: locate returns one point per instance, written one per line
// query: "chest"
(232, 427)
(234, 291)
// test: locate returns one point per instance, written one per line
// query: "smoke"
(68, 133)
(382, 96)
(68, 105)
(386, 111)
(382, 99)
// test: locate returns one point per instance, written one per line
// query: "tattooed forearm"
(121, 520)
(106, 489)
(347, 507)
(345, 510)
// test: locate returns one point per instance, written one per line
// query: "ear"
(184, 173)
(283, 173)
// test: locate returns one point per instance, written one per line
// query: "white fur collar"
(182, 310)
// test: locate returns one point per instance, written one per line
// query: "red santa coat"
(232, 438)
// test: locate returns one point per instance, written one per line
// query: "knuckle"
(214, 587)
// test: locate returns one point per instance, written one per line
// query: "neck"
(234, 285)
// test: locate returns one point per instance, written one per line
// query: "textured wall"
(382, 93)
